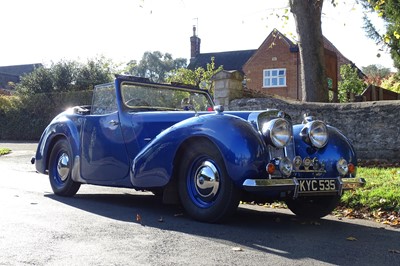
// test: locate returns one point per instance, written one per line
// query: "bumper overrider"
(304, 186)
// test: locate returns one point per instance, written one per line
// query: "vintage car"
(170, 139)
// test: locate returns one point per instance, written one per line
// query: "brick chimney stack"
(194, 44)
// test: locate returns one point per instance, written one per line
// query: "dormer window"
(274, 78)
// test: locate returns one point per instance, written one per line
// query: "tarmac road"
(99, 227)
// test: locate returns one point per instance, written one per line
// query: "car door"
(104, 155)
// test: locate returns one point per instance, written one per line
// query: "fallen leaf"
(138, 218)
(350, 238)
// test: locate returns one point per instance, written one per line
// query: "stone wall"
(372, 127)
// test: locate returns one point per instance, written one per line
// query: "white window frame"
(272, 78)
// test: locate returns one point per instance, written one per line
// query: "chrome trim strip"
(268, 184)
(296, 189)
(340, 187)
(310, 171)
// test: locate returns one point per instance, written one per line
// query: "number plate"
(317, 185)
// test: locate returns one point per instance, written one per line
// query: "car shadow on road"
(264, 230)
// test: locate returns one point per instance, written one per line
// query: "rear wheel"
(313, 207)
(60, 170)
(206, 191)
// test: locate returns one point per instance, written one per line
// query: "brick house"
(273, 68)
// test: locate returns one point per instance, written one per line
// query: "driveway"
(99, 226)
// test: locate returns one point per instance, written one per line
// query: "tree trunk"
(307, 15)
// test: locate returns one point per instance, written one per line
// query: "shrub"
(24, 117)
(350, 83)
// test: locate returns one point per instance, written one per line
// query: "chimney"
(194, 44)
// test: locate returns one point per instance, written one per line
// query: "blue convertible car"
(170, 139)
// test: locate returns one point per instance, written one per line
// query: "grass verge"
(4, 151)
(378, 200)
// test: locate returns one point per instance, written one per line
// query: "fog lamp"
(285, 166)
(342, 167)
(307, 162)
(297, 162)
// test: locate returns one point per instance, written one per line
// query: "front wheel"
(206, 191)
(60, 170)
(313, 207)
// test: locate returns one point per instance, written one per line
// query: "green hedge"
(24, 117)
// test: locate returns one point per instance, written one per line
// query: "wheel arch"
(52, 134)
(241, 149)
(171, 194)
(51, 145)
(338, 146)
(186, 145)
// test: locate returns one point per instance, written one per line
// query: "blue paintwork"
(140, 150)
(244, 151)
(65, 125)
(338, 147)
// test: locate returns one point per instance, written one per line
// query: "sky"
(46, 31)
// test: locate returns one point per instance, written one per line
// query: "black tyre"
(60, 169)
(206, 191)
(313, 207)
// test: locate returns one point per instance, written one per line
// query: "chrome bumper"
(293, 185)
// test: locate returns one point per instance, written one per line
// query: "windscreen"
(163, 98)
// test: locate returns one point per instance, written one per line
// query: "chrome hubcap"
(63, 167)
(207, 180)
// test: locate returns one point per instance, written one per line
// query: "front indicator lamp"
(352, 168)
(270, 168)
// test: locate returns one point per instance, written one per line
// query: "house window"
(274, 78)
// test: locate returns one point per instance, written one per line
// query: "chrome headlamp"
(277, 132)
(315, 133)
